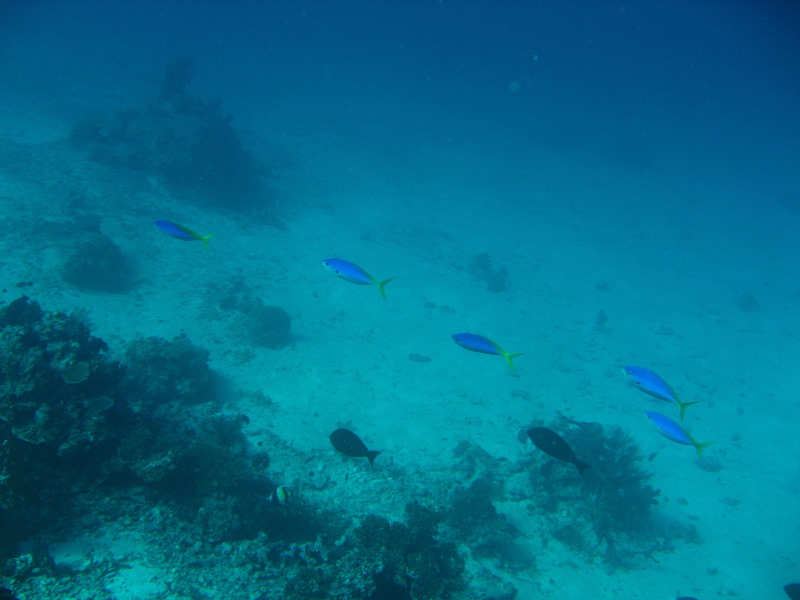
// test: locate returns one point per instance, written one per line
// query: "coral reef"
(53, 424)
(185, 141)
(608, 510)
(7, 594)
(386, 560)
(73, 424)
(473, 518)
(42, 399)
(164, 376)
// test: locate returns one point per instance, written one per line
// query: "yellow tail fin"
(204, 239)
(700, 446)
(380, 285)
(509, 356)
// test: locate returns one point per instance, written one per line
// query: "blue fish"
(672, 431)
(652, 384)
(179, 232)
(478, 343)
(354, 274)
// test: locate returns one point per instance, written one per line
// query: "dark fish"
(349, 444)
(792, 590)
(549, 442)
(686, 598)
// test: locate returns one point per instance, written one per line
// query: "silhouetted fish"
(549, 442)
(349, 444)
(792, 590)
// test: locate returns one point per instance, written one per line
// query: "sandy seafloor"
(652, 250)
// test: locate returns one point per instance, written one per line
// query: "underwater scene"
(399, 300)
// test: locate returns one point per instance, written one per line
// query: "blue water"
(631, 169)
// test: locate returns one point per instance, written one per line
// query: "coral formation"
(608, 510)
(38, 403)
(68, 428)
(474, 519)
(163, 376)
(185, 141)
(269, 326)
(261, 325)
(75, 425)
(7, 594)
(386, 560)
(93, 262)
(81, 434)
